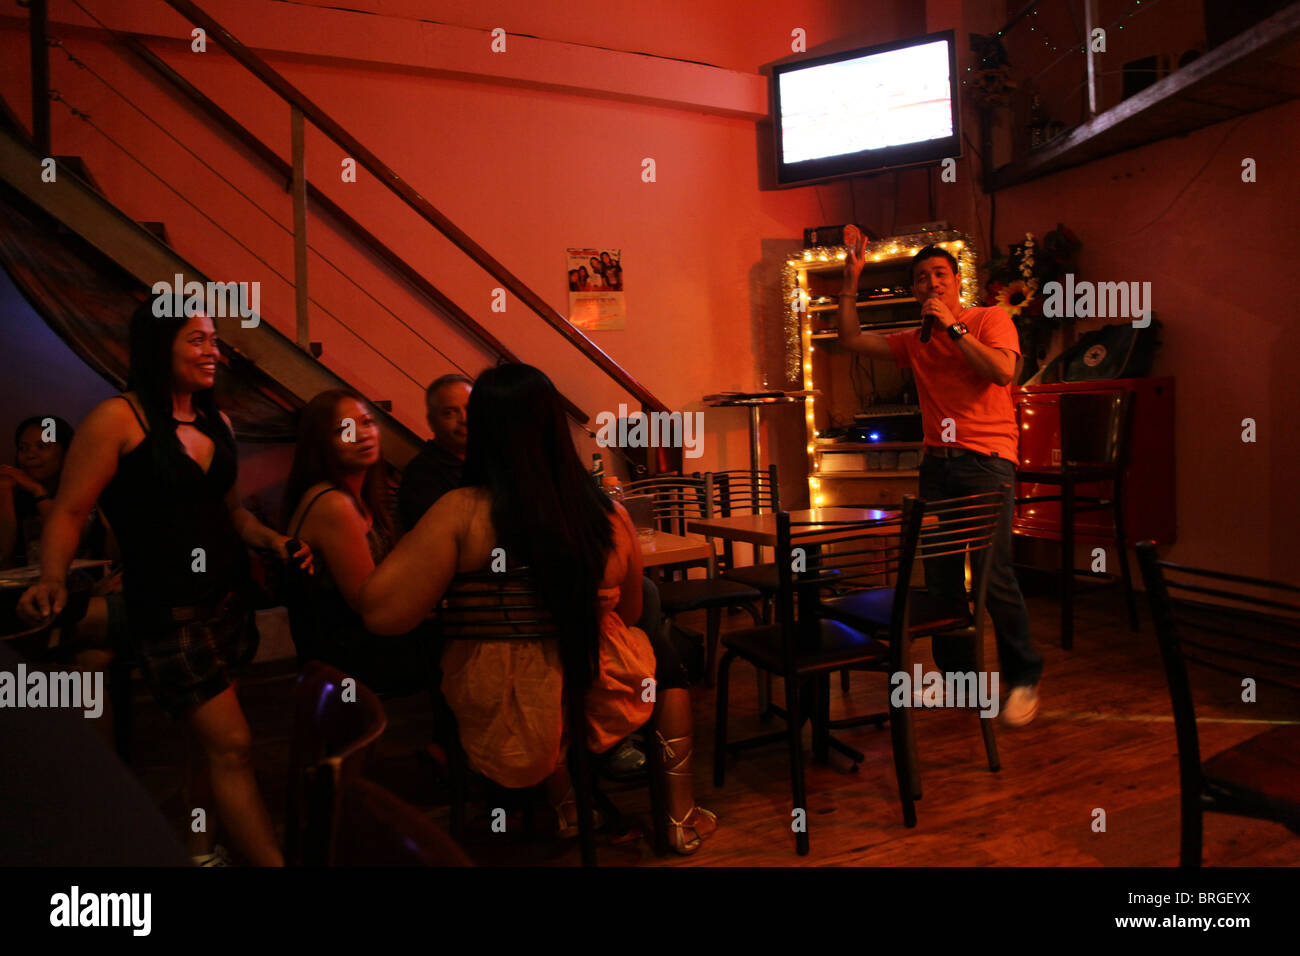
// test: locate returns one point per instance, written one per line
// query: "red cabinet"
(1148, 480)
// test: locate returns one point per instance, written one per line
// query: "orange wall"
(531, 164)
(527, 170)
(1219, 257)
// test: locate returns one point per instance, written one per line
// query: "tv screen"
(868, 109)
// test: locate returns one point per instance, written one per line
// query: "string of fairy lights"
(800, 346)
(1069, 48)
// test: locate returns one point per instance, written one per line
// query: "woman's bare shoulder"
(116, 416)
(324, 501)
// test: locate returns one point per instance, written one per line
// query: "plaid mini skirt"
(198, 654)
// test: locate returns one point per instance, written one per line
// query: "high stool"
(1094, 449)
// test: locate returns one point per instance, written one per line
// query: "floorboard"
(1103, 740)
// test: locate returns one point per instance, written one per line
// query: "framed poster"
(596, 300)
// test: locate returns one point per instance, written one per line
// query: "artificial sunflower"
(1014, 296)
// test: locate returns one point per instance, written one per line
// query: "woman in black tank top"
(161, 460)
(336, 500)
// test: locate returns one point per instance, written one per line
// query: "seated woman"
(526, 491)
(27, 491)
(93, 618)
(334, 500)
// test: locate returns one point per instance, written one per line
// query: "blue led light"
(874, 436)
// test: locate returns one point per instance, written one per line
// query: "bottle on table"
(597, 468)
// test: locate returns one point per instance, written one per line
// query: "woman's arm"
(336, 531)
(408, 583)
(89, 467)
(255, 534)
(630, 597)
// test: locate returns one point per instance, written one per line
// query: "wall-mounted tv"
(869, 109)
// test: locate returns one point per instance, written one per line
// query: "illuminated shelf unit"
(815, 274)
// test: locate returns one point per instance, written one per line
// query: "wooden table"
(761, 529)
(668, 548)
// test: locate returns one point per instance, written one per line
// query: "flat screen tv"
(869, 109)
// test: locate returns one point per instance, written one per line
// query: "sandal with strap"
(677, 837)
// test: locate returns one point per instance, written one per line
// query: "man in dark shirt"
(437, 468)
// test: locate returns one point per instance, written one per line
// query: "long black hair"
(546, 510)
(154, 327)
(314, 462)
(63, 432)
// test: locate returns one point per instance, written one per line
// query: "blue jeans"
(971, 474)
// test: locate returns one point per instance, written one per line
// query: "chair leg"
(904, 762)
(1067, 565)
(580, 771)
(1122, 546)
(720, 723)
(764, 695)
(1190, 850)
(990, 743)
(820, 709)
(712, 631)
(794, 735)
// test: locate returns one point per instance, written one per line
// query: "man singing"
(963, 379)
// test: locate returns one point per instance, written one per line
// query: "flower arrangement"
(1016, 279)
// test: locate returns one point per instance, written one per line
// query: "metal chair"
(805, 646)
(1094, 450)
(335, 725)
(1246, 633)
(748, 493)
(900, 614)
(377, 828)
(676, 500)
(505, 607)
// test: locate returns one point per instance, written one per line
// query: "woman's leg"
(196, 794)
(673, 723)
(226, 744)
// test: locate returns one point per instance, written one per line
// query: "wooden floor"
(1103, 740)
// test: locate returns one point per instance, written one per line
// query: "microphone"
(927, 324)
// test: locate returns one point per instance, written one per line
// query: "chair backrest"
(1095, 426)
(493, 606)
(335, 723)
(812, 555)
(377, 828)
(1239, 628)
(964, 526)
(505, 606)
(881, 553)
(744, 492)
(676, 499)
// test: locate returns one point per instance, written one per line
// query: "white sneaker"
(218, 857)
(1021, 706)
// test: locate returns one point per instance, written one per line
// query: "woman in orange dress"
(525, 491)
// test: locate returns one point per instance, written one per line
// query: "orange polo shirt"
(983, 415)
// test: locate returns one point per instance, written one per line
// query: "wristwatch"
(957, 330)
